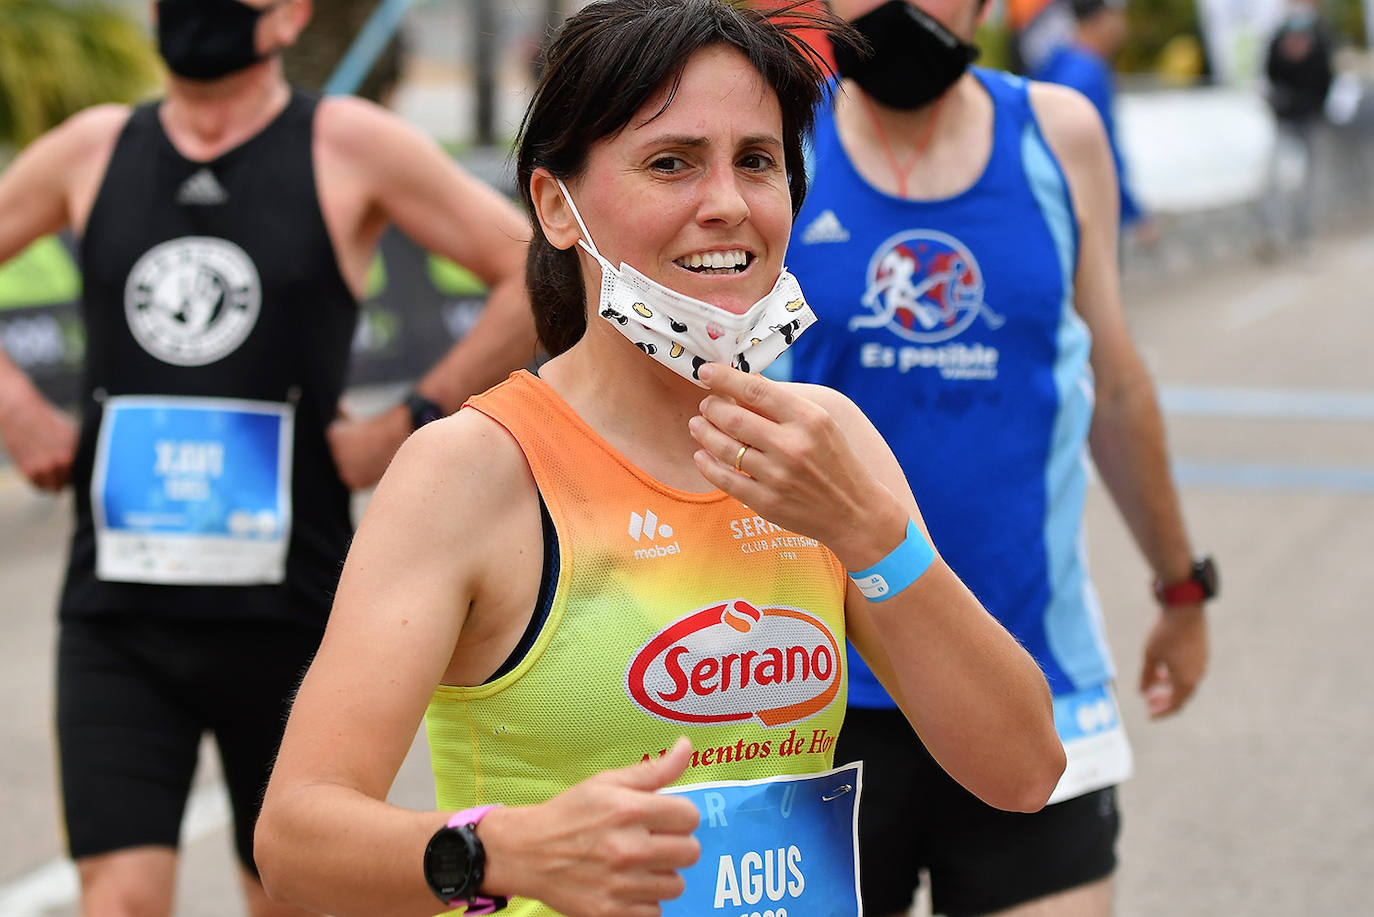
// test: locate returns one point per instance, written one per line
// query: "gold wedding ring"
(739, 456)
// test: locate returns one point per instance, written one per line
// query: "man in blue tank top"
(226, 233)
(959, 247)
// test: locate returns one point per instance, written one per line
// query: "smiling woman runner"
(592, 590)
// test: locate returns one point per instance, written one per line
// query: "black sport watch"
(422, 410)
(455, 863)
(1202, 584)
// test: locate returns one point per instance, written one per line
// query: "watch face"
(448, 862)
(422, 410)
(1205, 572)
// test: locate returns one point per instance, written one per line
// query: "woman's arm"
(430, 593)
(326, 838)
(818, 467)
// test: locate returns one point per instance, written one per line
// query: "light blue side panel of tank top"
(1073, 620)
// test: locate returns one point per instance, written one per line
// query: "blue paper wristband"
(897, 570)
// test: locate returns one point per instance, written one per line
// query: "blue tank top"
(951, 324)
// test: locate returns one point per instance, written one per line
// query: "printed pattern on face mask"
(684, 334)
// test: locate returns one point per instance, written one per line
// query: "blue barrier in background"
(362, 54)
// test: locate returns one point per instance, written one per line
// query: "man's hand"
(363, 448)
(39, 438)
(1175, 659)
(609, 845)
(1146, 233)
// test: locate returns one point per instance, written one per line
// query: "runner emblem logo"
(193, 300)
(731, 662)
(924, 286)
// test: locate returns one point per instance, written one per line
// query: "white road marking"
(1263, 300)
(1267, 404)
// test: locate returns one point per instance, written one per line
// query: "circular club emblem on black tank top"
(193, 300)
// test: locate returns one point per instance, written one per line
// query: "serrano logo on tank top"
(193, 300)
(731, 662)
(924, 286)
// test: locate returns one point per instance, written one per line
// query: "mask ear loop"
(586, 240)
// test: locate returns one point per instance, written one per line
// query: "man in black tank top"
(225, 235)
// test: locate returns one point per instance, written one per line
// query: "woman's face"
(696, 198)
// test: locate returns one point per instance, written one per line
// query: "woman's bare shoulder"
(462, 467)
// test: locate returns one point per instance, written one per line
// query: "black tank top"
(256, 202)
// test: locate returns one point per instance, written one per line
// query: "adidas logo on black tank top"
(201, 189)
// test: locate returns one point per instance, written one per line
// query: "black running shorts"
(914, 816)
(135, 694)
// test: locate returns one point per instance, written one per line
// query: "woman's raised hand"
(785, 456)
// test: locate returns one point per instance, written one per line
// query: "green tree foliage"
(1151, 25)
(1347, 21)
(58, 58)
(994, 44)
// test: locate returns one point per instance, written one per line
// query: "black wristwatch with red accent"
(1202, 584)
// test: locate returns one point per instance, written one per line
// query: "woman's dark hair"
(604, 64)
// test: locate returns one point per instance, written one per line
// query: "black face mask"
(207, 39)
(915, 59)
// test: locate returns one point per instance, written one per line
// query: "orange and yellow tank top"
(673, 613)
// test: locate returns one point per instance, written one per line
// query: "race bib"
(1089, 725)
(192, 491)
(777, 847)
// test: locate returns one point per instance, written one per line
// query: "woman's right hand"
(608, 845)
(789, 459)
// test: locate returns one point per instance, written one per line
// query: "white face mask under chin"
(684, 333)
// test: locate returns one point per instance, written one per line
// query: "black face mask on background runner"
(207, 39)
(915, 58)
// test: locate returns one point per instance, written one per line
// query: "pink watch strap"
(470, 816)
(478, 904)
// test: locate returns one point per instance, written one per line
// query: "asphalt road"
(1256, 801)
